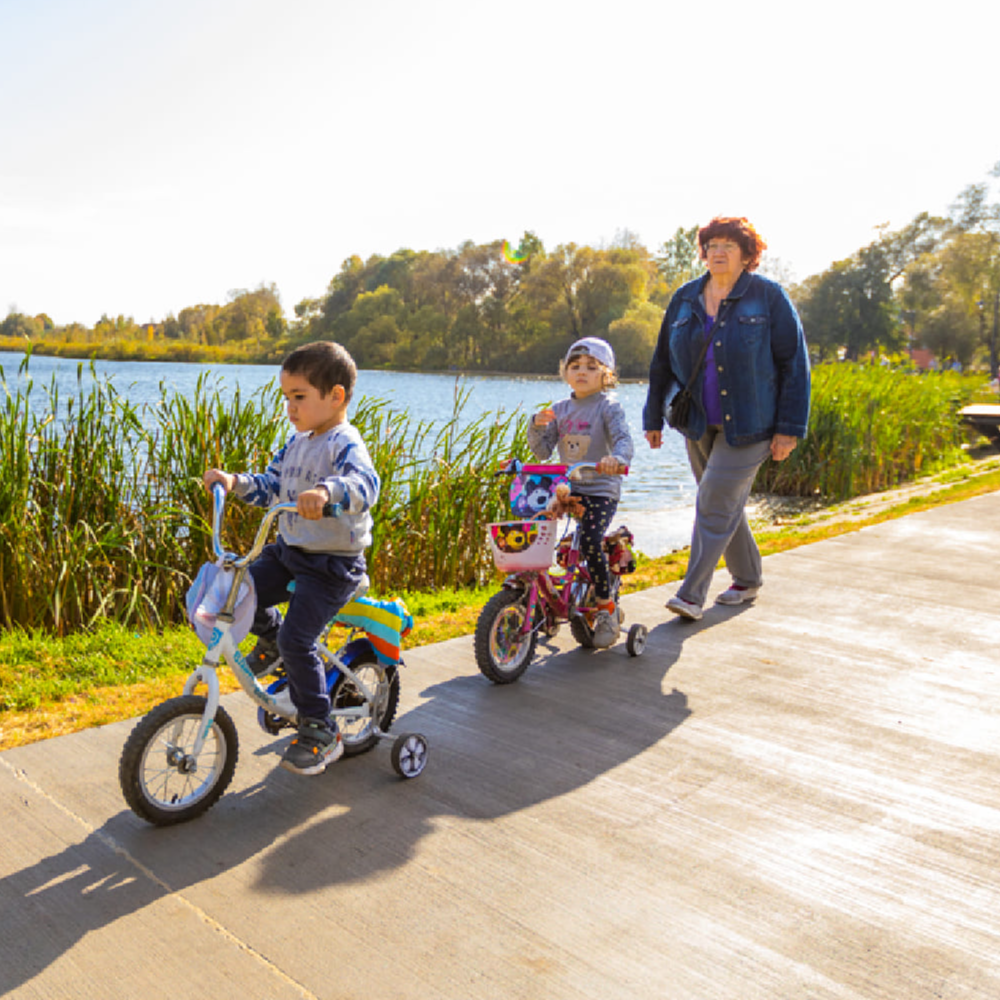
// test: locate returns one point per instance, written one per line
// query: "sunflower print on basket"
(514, 537)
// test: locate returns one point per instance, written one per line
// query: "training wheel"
(636, 641)
(409, 754)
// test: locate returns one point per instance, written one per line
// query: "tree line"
(935, 283)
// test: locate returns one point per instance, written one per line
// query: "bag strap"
(698, 363)
(704, 347)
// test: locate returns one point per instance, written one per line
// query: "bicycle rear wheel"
(382, 681)
(581, 596)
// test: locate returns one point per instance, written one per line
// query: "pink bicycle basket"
(522, 546)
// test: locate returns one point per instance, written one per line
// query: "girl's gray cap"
(599, 350)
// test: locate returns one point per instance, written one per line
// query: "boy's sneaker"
(606, 628)
(737, 594)
(316, 746)
(263, 657)
(686, 609)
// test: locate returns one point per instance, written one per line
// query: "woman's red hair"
(740, 231)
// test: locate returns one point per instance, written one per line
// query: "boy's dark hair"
(324, 364)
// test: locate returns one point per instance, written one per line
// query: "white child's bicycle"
(181, 756)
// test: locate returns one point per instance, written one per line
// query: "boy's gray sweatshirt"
(586, 430)
(336, 459)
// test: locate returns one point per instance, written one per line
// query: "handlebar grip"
(587, 470)
(508, 467)
(333, 509)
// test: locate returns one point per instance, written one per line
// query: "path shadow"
(574, 716)
(496, 750)
(127, 865)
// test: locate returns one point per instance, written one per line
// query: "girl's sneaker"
(317, 745)
(607, 628)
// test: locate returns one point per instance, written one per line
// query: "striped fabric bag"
(384, 622)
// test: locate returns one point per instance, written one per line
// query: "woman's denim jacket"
(760, 355)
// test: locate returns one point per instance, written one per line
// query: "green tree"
(18, 325)
(852, 305)
(949, 295)
(951, 332)
(579, 291)
(633, 338)
(371, 329)
(119, 328)
(254, 316)
(679, 260)
(197, 324)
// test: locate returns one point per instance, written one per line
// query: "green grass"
(103, 520)
(872, 428)
(103, 513)
(56, 685)
(37, 667)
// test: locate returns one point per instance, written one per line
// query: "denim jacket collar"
(694, 289)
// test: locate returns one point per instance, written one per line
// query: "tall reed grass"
(103, 512)
(872, 428)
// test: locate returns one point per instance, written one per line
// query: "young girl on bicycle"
(590, 426)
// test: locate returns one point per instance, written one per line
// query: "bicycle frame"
(554, 591)
(222, 649)
(536, 596)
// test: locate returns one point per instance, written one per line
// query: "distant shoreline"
(39, 349)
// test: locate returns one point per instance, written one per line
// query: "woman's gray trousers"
(725, 476)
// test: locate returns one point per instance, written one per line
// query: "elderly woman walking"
(734, 341)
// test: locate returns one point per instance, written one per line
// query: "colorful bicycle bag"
(385, 622)
(533, 488)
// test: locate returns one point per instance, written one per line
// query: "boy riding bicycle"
(325, 461)
(590, 426)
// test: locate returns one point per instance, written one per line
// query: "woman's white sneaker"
(737, 594)
(686, 609)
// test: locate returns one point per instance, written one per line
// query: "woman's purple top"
(710, 393)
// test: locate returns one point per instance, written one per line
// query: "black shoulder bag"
(679, 410)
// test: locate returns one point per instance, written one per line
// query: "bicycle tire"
(177, 788)
(503, 653)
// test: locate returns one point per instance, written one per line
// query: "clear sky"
(159, 155)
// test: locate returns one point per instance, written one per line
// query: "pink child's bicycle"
(547, 582)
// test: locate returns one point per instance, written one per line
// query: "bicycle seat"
(360, 592)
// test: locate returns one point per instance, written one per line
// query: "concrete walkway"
(798, 799)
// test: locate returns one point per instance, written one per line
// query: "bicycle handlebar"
(513, 467)
(218, 506)
(579, 467)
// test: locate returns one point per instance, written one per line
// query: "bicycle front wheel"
(161, 781)
(503, 649)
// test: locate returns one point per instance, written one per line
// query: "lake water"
(658, 498)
